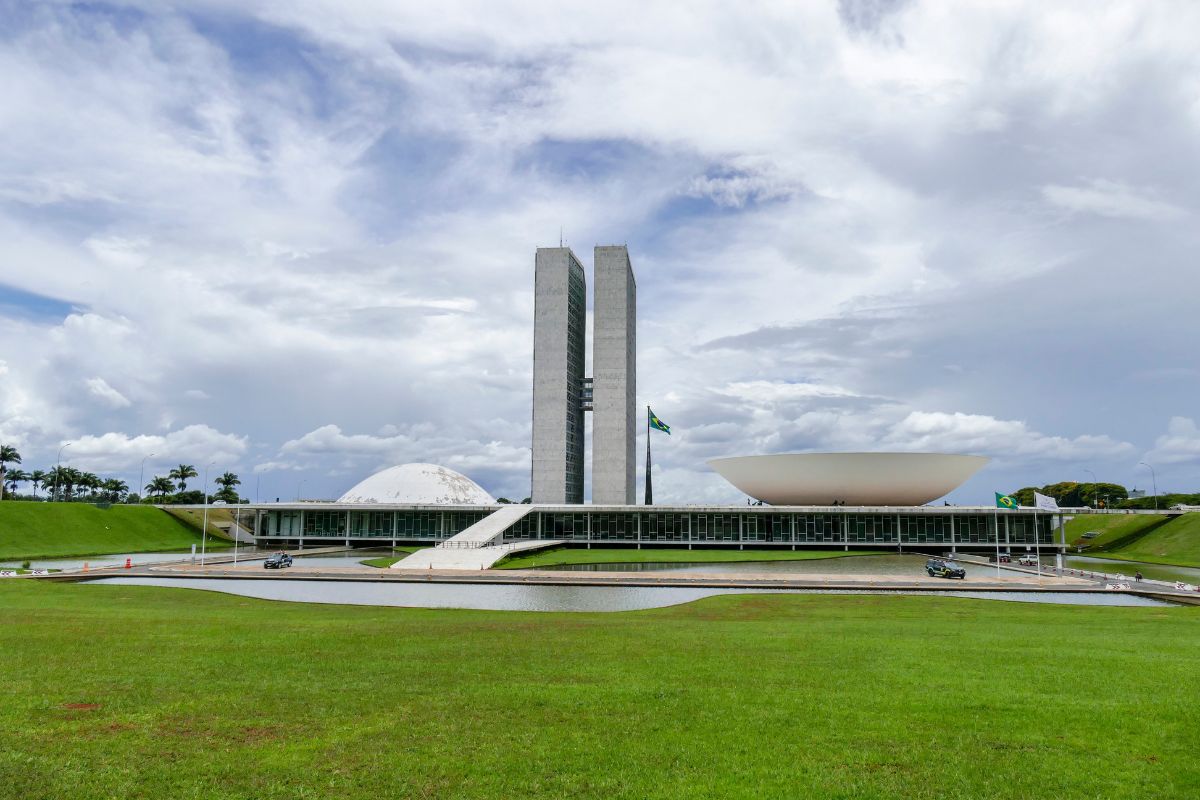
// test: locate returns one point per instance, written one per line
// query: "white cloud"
(98, 387)
(1111, 199)
(350, 238)
(194, 444)
(1180, 444)
(985, 435)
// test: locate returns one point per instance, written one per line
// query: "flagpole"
(649, 489)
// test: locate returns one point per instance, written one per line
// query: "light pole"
(237, 521)
(142, 476)
(204, 525)
(1095, 483)
(1153, 482)
(58, 468)
(299, 486)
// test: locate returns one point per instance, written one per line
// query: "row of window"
(673, 527)
(761, 527)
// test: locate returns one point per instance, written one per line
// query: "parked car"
(937, 568)
(1028, 561)
(278, 561)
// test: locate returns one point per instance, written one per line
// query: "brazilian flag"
(657, 423)
(1004, 501)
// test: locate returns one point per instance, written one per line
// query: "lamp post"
(299, 486)
(1095, 483)
(58, 468)
(237, 521)
(1153, 482)
(204, 525)
(142, 476)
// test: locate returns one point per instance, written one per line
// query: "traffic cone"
(128, 563)
(85, 566)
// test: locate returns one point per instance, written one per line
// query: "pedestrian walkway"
(479, 546)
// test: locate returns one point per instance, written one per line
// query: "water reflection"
(545, 598)
(903, 565)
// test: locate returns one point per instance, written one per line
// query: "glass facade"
(576, 337)
(683, 526)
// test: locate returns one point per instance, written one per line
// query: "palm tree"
(160, 486)
(89, 481)
(114, 488)
(8, 455)
(14, 477)
(71, 478)
(227, 481)
(181, 474)
(38, 478)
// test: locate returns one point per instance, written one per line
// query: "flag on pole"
(657, 423)
(1004, 501)
(1045, 503)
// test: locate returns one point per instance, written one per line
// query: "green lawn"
(387, 561)
(1177, 542)
(1112, 528)
(752, 696)
(572, 555)
(50, 530)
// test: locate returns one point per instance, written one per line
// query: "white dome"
(860, 479)
(419, 484)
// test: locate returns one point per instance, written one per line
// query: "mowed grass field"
(566, 555)
(50, 530)
(1110, 527)
(1177, 542)
(115, 691)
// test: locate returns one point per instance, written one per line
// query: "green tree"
(37, 478)
(1024, 496)
(181, 474)
(89, 481)
(8, 455)
(160, 486)
(114, 489)
(14, 477)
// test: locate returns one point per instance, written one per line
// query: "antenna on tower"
(560, 235)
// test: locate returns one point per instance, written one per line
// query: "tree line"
(1071, 494)
(65, 483)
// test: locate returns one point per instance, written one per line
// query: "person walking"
(1137, 576)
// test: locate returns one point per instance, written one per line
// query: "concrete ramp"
(478, 547)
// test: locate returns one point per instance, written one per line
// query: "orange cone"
(128, 563)
(85, 566)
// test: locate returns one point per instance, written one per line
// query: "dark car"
(938, 568)
(278, 561)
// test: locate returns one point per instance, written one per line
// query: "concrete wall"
(614, 372)
(559, 333)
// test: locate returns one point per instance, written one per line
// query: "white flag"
(1042, 501)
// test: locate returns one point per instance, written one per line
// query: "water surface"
(545, 598)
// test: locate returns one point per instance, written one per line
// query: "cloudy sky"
(295, 240)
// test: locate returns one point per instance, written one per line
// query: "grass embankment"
(1177, 543)
(53, 530)
(1113, 529)
(570, 555)
(751, 696)
(217, 517)
(387, 561)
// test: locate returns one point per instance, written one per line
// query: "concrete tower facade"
(614, 384)
(559, 348)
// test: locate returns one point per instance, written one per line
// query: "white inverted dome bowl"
(856, 479)
(419, 484)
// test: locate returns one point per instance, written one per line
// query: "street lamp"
(204, 525)
(1153, 482)
(299, 486)
(1095, 483)
(142, 475)
(58, 468)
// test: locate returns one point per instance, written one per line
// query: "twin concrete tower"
(561, 392)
